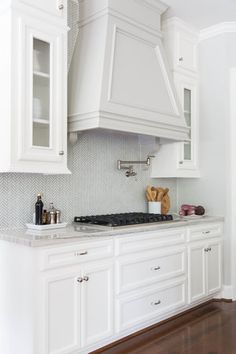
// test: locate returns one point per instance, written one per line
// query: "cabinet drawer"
(141, 270)
(137, 309)
(149, 240)
(205, 231)
(82, 252)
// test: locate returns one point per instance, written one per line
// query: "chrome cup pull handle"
(156, 268)
(155, 303)
(83, 253)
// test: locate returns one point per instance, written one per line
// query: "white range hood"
(119, 77)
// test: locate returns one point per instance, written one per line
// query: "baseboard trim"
(223, 300)
(227, 292)
(183, 317)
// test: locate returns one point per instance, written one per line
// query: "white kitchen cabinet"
(62, 312)
(181, 159)
(78, 307)
(181, 43)
(150, 277)
(187, 158)
(34, 122)
(214, 267)
(204, 272)
(53, 7)
(75, 297)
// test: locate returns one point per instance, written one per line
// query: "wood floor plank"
(210, 329)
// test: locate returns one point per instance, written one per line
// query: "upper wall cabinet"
(33, 88)
(181, 44)
(52, 7)
(119, 77)
(181, 159)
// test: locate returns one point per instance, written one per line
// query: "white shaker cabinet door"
(214, 266)
(197, 272)
(97, 303)
(40, 134)
(40, 137)
(62, 313)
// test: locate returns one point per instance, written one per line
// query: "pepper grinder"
(52, 214)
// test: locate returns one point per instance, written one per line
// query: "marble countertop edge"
(70, 235)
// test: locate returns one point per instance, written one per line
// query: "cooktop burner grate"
(122, 219)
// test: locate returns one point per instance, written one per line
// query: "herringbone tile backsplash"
(94, 187)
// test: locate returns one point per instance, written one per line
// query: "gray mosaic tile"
(94, 187)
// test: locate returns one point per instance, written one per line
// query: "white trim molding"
(227, 292)
(178, 22)
(216, 30)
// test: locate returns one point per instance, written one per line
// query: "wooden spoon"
(149, 193)
(154, 195)
(166, 190)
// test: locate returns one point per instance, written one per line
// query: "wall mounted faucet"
(128, 166)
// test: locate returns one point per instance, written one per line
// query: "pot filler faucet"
(128, 166)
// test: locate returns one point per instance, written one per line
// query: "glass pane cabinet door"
(41, 115)
(41, 132)
(43, 91)
(188, 118)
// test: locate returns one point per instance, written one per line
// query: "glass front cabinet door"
(187, 90)
(43, 128)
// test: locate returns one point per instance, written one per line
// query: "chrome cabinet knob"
(61, 7)
(80, 280)
(61, 153)
(181, 59)
(206, 249)
(209, 249)
(181, 162)
(86, 278)
(156, 303)
(206, 232)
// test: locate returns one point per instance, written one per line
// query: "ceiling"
(202, 13)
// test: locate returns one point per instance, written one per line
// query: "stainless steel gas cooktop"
(123, 219)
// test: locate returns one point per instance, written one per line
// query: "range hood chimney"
(119, 77)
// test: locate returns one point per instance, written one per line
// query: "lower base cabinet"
(204, 269)
(79, 307)
(80, 296)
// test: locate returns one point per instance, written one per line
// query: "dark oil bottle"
(39, 210)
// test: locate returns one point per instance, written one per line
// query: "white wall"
(212, 190)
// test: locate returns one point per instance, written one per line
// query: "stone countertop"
(76, 233)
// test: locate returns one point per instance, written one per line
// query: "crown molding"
(216, 30)
(175, 22)
(154, 5)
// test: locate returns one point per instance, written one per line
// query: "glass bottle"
(38, 210)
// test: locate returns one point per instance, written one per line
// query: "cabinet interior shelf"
(41, 121)
(42, 74)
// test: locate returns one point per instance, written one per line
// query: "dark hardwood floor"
(210, 329)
